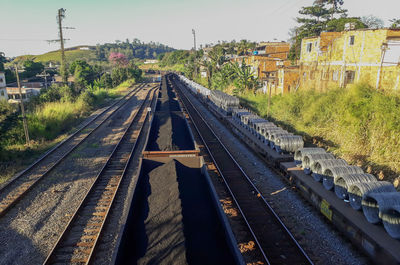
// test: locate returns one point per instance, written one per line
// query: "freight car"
(352, 189)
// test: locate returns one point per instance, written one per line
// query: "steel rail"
(104, 190)
(304, 259)
(17, 193)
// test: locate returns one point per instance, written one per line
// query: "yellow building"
(341, 58)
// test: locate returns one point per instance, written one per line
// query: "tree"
(32, 68)
(395, 23)
(335, 6)
(372, 22)
(245, 77)
(118, 59)
(2, 61)
(337, 25)
(83, 74)
(314, 20)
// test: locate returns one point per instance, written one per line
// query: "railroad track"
(77, 243)
(277, 244)
(13, 191)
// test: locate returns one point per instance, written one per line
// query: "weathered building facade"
(340, 58)
(3, 90)
(268, 62)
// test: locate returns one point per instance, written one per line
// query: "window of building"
(325, 75)
(309, 47)
(1, 80)
(335, 76)
(349, 77)
(351, 40)
(2, 93)
(304, 76)
(312, 74)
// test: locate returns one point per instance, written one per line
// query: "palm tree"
(246, 78)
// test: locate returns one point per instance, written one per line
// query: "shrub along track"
(270, 234)
(79, 239)
(23, 182)
(29, 229)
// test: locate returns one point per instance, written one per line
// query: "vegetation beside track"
(53, 116)
(357, 123)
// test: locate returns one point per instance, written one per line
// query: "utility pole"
(25, 124)
(64, 75)
(194, 38)
(45, 75)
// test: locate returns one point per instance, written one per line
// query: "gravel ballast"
(29, 230)
(323, 244)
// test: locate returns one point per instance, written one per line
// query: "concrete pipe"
(332, 173)
(375, 203)
(391, 220)
(309, 160)
(289, 143)
(299, 154)
(342, 183)
(357, 191)
(319, 167)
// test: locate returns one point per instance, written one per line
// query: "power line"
(22, 40)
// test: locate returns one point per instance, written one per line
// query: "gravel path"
(29, 230)
(320, 241)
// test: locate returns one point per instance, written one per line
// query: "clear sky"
(26, 24)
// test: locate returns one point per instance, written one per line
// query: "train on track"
(355, 201)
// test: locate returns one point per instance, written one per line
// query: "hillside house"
(3, 90)
(342, 58)
(268, 62)
(15, 97)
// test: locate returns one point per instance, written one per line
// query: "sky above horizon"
(28, 24)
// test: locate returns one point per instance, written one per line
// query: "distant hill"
(133, 50)
(71, 55)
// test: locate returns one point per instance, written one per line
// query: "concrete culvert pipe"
(376, 202)
(357, 191)
(299, 154)
(309, 160)
(319, 167)
(391, 220)
(275, 135)
(342, 183)
(271, 130)
(332, 173)
(289, 143)
(261, 127)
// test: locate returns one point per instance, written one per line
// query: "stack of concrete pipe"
(223, 100)
(379, 200)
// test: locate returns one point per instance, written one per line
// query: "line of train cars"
(379, 200)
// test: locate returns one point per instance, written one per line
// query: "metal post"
(194, 38)
(61, 14)
(379, 78)
(45, 79)
(269, 100)
(25, 124)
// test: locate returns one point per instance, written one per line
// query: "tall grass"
(48, 124)
(358, 123)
